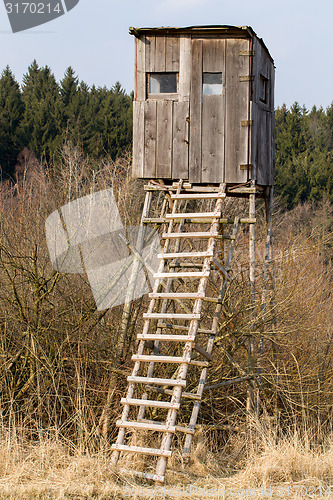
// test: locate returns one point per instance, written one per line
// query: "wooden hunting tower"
(204, 124)
(204, 105)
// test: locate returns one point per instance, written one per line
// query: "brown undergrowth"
(57, 356)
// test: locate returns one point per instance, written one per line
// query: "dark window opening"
(212, 84)
(163, 83)
(263, 89)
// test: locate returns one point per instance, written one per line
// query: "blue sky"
(93, 38)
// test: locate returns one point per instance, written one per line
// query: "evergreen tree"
(11, 113)
(41, 125)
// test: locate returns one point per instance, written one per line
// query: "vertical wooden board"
(237, 110)
(164, 140)
(150, 53)
(140, 70)
(180, 145)
(159, 56)
(213, 55)
(212, 139)
(262, 148)
(196, 112)
(253, 138)
(150, 130)
(185, 68)
(138, 139)
(271, 151)
(171, 53)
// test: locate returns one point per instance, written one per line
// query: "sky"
(93, 38)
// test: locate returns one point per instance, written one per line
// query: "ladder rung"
(204, 364)
(145, 475)
(157, 381)
(139, 449)
(179, 428)
(213, 300)
(192, 235)
(186, 395)
(184, 255)
(181, 327)
(159, 359)
(153, 220)
(166, 338)
(144, 425)
(195, 274)
(204, 215)
(185, 430)
(197, 196)
(171, 316)
(147, 402)
(197, 295)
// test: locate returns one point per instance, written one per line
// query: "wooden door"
(219, 111)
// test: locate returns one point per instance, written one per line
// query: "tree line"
(42, 114)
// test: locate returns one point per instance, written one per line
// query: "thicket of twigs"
(60, 386)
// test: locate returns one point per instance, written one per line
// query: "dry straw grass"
(60, 390)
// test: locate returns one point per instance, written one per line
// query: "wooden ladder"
(176, 343)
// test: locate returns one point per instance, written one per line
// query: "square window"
(162, 83)
(212, 84)
(263, 89)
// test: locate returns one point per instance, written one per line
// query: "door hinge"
(246, 78)
(246, 123)
(247, 53)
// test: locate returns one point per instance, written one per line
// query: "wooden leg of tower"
(250, 406)
(267, 265)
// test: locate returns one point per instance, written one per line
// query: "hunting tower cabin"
(204, 105)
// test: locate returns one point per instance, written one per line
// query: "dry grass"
(51, 469)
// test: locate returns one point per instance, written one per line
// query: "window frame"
(263, 90)
(220, 85)
(162, 95)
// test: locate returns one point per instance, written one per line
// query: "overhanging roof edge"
(203, 29)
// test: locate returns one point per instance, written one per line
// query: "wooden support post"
(267, 266)
(250, 404)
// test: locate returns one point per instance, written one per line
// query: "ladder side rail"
(151, 366)
(137, 365)
(183, 369)
(211, 340)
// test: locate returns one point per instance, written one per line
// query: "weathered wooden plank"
(139, 449)
(145, 425)
(160, 55)
(160, 359)
(171, 53)
(198, 215)
(148, 402)
(185, 65)
(212, 139)
(237, 110)
(213, 55)
(150, 131)
(180, 140)
(150, 53)
(140, 65)
(138, 139)
(157, 381)
(196, 113)
(164, 140)
(166, 338)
